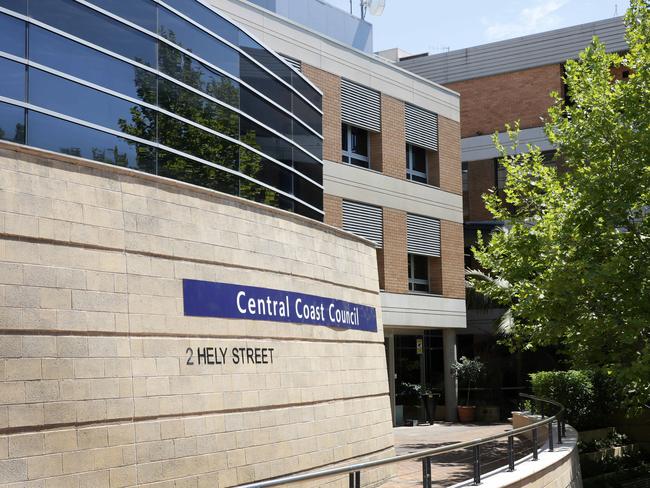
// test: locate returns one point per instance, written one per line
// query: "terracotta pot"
(466, 414)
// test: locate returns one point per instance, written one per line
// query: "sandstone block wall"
(95, 389)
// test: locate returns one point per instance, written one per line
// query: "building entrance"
(417, 375)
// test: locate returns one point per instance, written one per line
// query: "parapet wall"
(100, 380)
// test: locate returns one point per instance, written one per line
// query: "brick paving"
(454, 467)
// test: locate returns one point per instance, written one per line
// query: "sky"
(436, 26)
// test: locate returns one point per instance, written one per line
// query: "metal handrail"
(354, 470)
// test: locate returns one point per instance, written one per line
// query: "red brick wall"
(480, 178)
(489, 102)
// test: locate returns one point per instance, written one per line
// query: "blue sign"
(225, 300)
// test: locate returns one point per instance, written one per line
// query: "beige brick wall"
(333, 207)
(452, 259)
(330, 85)
(95, 388)
(392, 157)
(490, 102)
(449, 155)
(394, 255)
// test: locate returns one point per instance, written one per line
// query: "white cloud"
(538, 18)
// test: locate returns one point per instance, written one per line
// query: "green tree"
(575, 247)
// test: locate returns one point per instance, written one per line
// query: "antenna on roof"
(616, 10)
(375, 7)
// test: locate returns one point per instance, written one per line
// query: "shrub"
(573, 389)
(468, 371)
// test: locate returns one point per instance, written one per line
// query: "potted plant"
(467, 371)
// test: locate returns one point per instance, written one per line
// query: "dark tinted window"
(266, 141)
(12, 123)
(308, 140)
(307, 114)
(177, 167)
(255, 50)
(197, 75)
(206, 18)
(193, 106)
(263, 82)
(307, 212)
(70, 98)
(192, 140)
(307, 165)
(263, 111)
(255, 166)
(307, 90)
(252, 191)
(12, 79)
(184, 34)
(97, 28)
(140, 12)
(308, 192)
(65, 137)
(12, 35)
(90, 65)
(15, 5)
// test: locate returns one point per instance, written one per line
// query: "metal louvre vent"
(294, 63)
(360, 106)
(423, 235)
(421, 127)
(364, 220)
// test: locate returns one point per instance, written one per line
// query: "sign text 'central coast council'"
(225, 300)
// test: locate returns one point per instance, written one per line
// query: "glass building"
(167, 87)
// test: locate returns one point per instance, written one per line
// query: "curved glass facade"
(164, 86)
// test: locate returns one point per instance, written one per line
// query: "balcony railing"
(355, 471)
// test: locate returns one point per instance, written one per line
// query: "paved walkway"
(454, 467)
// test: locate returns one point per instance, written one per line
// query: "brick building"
(500, 83)
(391, 156)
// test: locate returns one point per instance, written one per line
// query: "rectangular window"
(418, 272)
(416, 163)
(501, 174)
(355, 146)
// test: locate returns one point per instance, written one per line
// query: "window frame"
(412, 280)
(346, 129)
(411, 173)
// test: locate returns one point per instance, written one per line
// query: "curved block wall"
(95, 389)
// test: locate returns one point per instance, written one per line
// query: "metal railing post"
(535, 444)
(511, 453)
(426, 472)
(563, 426)
(477, 465)
(550, 436)
(559, 431)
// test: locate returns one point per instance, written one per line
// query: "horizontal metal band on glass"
(199, 59)
(127, 60)
(237, 48)
(237, 26)
(156, 145)
(156, 109)
(294, 63)
(423, 235)
(360, 106)
(364, 220)
(420, 127)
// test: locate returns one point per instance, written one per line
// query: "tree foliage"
(575, 247)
